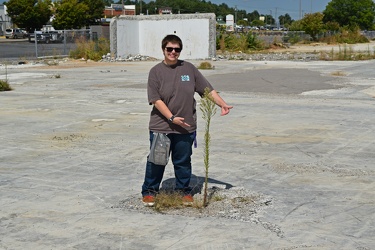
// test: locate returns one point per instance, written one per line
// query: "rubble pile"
(286, 56)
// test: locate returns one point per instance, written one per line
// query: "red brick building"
(119, 9)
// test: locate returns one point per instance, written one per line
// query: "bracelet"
(170, 120)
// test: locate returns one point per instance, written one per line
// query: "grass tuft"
(167, 200)
(347, 53)
(205, 65)
(4, 86)
(338, 73)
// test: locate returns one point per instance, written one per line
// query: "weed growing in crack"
(4, 84)
(205, 65)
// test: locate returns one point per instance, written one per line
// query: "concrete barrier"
(131, 35)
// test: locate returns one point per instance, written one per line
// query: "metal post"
(64, 41)
(36, 44)
(276, 19)
(271, 18)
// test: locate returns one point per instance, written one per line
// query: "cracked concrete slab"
(301, 138)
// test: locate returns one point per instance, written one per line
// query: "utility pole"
(300, 10)
(235, 14)
(271, 18)
(276, 21)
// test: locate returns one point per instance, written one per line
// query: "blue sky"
(277, 7)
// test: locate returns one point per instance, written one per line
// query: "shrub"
(90, 50)
(4, 86)
(239, 42)
(220, 42)
(346, 35)
(231, 42)
(253, 42)
(205, 65)
(294, 38)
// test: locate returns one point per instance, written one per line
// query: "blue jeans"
(181, 151)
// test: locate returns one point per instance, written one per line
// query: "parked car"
(25, 33)
(47, 37)
(15, 33)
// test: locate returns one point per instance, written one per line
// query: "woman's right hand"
(180, 121)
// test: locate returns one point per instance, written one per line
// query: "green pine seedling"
(208, 109)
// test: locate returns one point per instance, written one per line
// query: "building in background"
(165, 11)
(118, 10)
(230, 22)
(5, 21)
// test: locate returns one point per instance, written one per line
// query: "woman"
(171, 87)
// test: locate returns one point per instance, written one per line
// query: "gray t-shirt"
(175, 86)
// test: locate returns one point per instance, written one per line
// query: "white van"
(15, 33)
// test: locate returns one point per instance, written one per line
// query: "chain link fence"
(59, 43)
(292, 37)
(370, 34)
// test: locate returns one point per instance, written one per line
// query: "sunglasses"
(170, 49)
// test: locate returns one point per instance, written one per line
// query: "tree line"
(75, 14)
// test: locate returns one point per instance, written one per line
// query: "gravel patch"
(234, 203)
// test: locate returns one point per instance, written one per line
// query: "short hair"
(170, 39)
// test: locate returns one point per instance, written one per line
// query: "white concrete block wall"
(132, 35)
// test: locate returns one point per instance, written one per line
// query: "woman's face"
(171, 56)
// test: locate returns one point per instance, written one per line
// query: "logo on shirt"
(185, 78)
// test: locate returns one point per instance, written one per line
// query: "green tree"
(257, 23)
(296, 26)
(253, 16)
(108, 2)
(29, 14)
(351, 13)
(285, 20)
(95, 11)
(332, 26)
(70, 14)
(313, 24)
(269, 20)
(243, 23)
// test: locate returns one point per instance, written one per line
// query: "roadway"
(22, 49)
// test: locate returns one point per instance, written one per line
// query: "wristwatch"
(170, 120)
